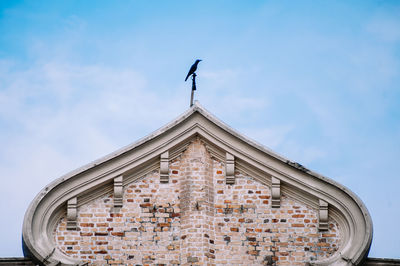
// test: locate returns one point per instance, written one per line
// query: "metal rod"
(193, 88)
(191, 99)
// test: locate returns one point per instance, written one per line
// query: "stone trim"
(323, 215)
(230, 169)
(118, 192)
(275, 192)
(215, 151)
(72, 213)
(164, 167)
(16, 261)
(381, 262)
(178, 152)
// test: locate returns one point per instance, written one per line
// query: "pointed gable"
(196, 191)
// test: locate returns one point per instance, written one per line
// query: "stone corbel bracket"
(164, 167)
(72, 214)
(118, 192)
(323, 216)
(275, 193)
(230, 169)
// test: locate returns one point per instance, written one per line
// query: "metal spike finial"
(193, 88)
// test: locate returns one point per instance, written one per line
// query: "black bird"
(193, 69)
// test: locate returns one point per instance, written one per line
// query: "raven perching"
(193, 69)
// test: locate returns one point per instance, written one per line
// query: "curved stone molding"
(49, 205)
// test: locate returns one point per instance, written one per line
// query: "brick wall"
(196, 219)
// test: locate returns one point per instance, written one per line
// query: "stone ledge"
(380, 261)
(16, 261)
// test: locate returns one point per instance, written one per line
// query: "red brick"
(86, 224)
(297, 225)
(70, 243)
(101, 233)
(100, 252)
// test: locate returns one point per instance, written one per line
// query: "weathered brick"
(86, 224)
(101, 233)
(117, 233)
(297, 225)
(69, 243)
(100, 252)
(196, 217)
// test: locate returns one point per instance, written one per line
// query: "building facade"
(196, 192)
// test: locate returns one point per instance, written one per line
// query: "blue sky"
(316, 81)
